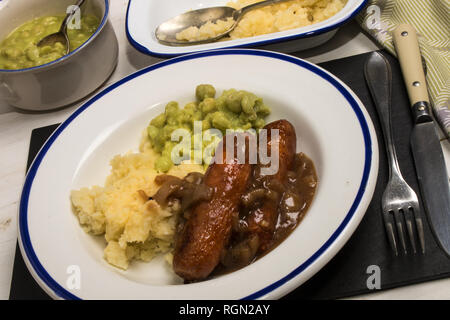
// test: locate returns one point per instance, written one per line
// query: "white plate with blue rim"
(143, 17)
(332, 126)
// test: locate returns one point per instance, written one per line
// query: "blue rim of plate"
(64, 57)
(313, 33)
(61, 292)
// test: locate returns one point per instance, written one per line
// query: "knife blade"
(425, 145)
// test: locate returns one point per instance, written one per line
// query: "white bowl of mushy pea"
(45, 78)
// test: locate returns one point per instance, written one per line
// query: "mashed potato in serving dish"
(274, 18)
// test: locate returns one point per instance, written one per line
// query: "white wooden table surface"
(16, 127)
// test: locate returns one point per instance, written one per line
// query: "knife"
(425, 145)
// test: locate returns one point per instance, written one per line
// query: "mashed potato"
(134, 227)
(269, 19)
(207, 31)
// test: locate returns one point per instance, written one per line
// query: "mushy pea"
(19, 50)
(236, 110)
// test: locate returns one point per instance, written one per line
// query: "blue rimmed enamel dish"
(69, 78)
(333, 128)
(143, 16)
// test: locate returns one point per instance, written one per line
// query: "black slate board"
(346, 274)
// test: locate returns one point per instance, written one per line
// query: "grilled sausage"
(208, 228)
(262, 220)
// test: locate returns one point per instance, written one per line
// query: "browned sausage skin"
(208, 228)
(262, 220)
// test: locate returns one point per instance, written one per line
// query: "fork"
(399, 202)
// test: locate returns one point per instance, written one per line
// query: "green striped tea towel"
(431, 19)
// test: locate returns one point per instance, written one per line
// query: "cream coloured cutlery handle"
(407, 47)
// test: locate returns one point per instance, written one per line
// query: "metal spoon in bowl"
(166, 32)
(61, 35)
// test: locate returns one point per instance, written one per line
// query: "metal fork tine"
(419, 226)
(409, 225)
(390, 225)
(400, 229)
